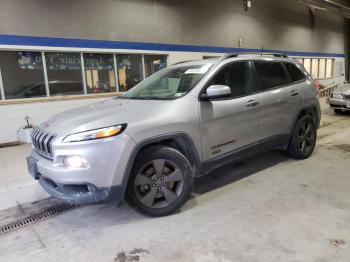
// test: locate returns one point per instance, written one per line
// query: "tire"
(338, 111)
(161, 181)
(303, 140)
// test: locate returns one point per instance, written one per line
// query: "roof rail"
(230, 55)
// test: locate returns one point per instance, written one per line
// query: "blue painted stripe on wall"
(88, 43)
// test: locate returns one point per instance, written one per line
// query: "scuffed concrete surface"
(268, 208)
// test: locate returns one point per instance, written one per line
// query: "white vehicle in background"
(339, 99)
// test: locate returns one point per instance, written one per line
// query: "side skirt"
(272, 143)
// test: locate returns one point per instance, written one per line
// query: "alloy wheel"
(158, 183)
(306, 138)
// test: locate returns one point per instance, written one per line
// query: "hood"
(102, 114)
(343, 89)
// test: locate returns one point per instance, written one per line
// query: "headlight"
(338, 96)
(95, 134)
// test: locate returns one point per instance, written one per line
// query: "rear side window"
(295, 73)
(235, 75)
(270, 74)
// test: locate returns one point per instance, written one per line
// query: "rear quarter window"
(295, 73)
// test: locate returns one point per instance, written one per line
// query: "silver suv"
(182, 122)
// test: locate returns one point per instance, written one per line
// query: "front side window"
(64, 73)
(169, 83)
(99, 73)
(236, 76)
(22, 74)
(271, 74)
(295, 73)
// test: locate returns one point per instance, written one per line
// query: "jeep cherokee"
(182, 122)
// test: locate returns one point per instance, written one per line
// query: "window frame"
(302, 70)
(256, 77)
(82, 76)
(302, 62)
(84, 69)
(218, 70)
(2, 87)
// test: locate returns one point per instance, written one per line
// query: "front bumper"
(82, 194)
(340, 104)
(101, 181)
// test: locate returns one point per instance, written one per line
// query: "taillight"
(317, 84)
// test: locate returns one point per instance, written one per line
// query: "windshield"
(169, 83)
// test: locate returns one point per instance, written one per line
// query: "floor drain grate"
(53, 211)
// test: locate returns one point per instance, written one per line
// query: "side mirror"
(216, 91)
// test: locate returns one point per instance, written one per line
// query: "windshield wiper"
(148, 98)
(120, 97)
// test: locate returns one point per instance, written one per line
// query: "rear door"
(280, 97)
(295, 91)
(235, 122)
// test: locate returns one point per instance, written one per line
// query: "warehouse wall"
(269, 24)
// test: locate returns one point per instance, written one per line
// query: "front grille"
(42, 142)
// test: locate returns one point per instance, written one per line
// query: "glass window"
(169, 83)
(322, 68)
(236, 76)
(22, 74)
(64, 73)
(154, 63)
(329, 68)
(270, 74)
(307, 65)
(129, 71)
(295, 73)
(314, 68)
(99, 72)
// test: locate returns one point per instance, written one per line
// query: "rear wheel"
(161, 181)
(303, 139)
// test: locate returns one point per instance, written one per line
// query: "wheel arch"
(308, 111)
(179, 141)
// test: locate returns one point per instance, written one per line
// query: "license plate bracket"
(32, 167)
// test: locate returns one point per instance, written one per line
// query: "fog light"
(75, 162)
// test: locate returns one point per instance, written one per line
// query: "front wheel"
(303, 139)
(161, 181)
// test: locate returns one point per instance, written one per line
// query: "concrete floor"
(268, 208)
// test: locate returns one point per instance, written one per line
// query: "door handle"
(294, 93)
(252, 103)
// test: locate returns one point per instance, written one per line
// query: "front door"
(231, 123)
